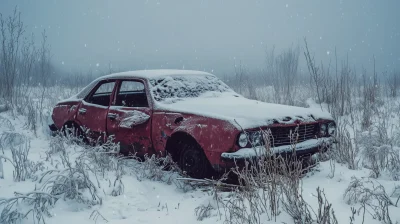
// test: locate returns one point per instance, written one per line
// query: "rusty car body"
(191, 115)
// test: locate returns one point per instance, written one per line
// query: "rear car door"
(92, 112)
(129, 118)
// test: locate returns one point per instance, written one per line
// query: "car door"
(92, 112)
(129, 118)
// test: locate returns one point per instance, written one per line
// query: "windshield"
(177, 87)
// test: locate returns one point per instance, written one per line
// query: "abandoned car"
(191, 115)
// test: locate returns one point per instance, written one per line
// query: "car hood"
(242, 112)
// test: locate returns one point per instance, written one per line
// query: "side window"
(131, 94)
(102, 94)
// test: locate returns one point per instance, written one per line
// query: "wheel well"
(176, 139)
(69, 124)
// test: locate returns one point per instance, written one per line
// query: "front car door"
(93, 110)
(129, 118)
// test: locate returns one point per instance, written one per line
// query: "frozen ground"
(157, 197)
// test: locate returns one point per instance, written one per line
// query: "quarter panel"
(64, 112)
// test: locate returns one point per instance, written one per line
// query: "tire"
(193, 161)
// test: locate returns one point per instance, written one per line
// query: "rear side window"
(102, 94)
(131, 94)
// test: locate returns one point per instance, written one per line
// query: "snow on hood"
(242, 112)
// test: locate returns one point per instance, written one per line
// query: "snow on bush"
(19, 207)
(372, 197)
(23, 167)
(11, 139)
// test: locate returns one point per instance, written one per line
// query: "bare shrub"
(332, 89)
(282, 71)
(1, 169)
(104, 157)
(11, 139)
(370, 97)
(203, 211)
(31, 115)
(118, 186)
(380, 153)
(345, 150)
(158, 169)
(382, 158)
(95, 216)
(305, 214)
(6, 124)
(3, 107)
(11, 30)
(266, 189)
(393, 82)
(37, 204)
(372, 197)
(70, 182)
(23, 167)
(325, 213)
(45, 70)
(396, 194)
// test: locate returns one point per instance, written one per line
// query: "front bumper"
(305, 148)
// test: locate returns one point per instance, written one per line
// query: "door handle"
(112, 116)
(82, 111)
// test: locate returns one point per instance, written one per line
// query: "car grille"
(293, 134)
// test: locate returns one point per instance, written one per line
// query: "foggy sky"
(210, 35)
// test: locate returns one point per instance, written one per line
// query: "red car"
(191, 115)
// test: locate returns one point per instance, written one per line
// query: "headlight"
(243, 140)
(331, 128)
(323, 129)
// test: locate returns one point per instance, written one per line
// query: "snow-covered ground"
(156, 196)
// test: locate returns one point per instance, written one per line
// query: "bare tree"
(44, 71)
(12, 30)
(282, 72)
(393, 83)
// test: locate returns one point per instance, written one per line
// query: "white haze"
(210, 35)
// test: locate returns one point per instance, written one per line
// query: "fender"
(213, 135)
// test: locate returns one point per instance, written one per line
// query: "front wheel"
(193, 161)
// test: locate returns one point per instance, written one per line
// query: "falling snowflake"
(98, 64)
(328, 52)
(85, 45)
(287, 5)
(62, 62)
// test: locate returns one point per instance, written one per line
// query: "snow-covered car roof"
(143, 74)
(157, 73)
